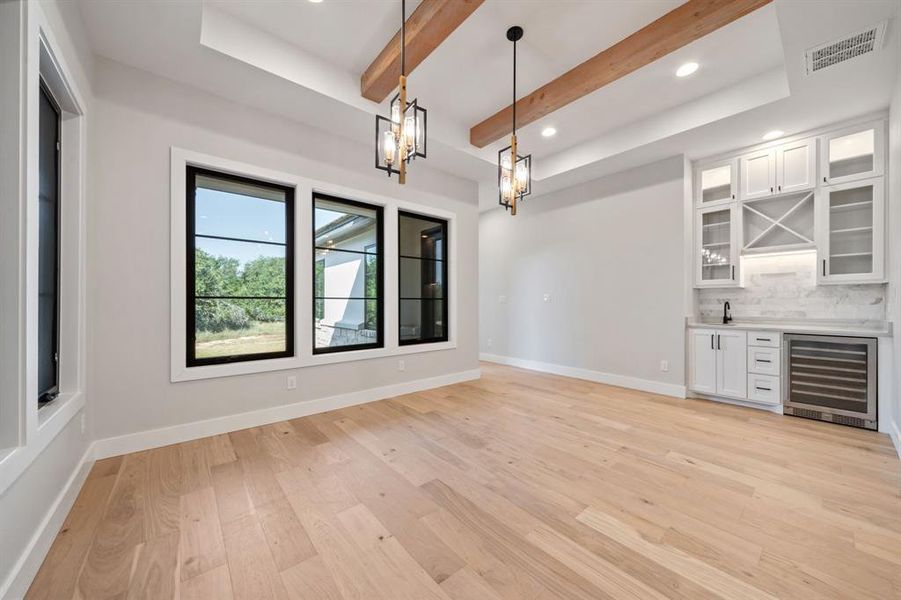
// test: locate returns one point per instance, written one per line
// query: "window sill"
(284, 364)
(250, 367)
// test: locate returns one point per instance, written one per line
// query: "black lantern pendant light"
(514, 172)
(401, 138)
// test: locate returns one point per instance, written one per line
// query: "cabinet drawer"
(763, 361)
(764, 389)
(768, 339)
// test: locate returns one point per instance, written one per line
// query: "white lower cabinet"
(736, 364)
(763, 389)
(763, 361)
(769, 339)
(732, 363)
(702, 361)
(719, 362)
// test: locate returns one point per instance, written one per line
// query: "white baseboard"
(895, 434)
(154, 438)
(26, 567)
(635, 383)
(775, 409)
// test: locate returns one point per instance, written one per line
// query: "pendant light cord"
(403, 36)
(514, 87)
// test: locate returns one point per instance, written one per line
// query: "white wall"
(610, 254)
(138, 117)
(41, 474)
(894, 240)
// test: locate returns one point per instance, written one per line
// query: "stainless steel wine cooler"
(831, 379)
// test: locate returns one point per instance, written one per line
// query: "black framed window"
(240, 271)
(422, 279)
(49, 125)
(348, 273)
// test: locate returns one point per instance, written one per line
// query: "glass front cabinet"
(851, 232)
(716, 183)
(716, 257)
(853, 153)
(823, 191)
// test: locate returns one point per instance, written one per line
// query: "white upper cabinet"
(717, 232)
(826, 190)
(796, 166)
(788, 168)
(853, 153)
(851, 232)
(717, 183)
(758, 174)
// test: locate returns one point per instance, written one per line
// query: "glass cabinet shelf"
(851, 243)
(715, 259)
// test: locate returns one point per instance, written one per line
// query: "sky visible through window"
(236, 216)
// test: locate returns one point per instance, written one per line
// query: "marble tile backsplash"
(784, 287)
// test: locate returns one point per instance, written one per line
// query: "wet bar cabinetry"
(823, 191)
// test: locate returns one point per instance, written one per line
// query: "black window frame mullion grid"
(191, 359)
(380, 275)
(445, 303)
(208, 236)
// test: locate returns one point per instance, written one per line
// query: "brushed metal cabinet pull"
(718, 342)
(711, 342)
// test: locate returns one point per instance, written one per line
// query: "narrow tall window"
(347, 277)
(48, 247)
(240, 253)
(423, 278)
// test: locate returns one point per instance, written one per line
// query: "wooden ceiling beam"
(427, 27)
(677, 28)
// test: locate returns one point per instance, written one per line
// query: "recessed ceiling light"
(548, 131)
(772, 135)
(315, 1)
(687, 69)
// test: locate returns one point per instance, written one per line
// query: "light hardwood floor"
(518, 486)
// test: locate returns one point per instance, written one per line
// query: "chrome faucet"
(727, 313)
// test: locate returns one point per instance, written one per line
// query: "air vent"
(852, 421)
(838, 51)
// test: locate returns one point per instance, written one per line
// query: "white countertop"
(812, 326)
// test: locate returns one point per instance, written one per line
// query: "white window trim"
(39, 427)
(304, 188)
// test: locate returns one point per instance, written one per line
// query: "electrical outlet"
(547, 297)
(502, 299)
(401, 366)
(489, 342)
(664, 366)
(292, 382)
